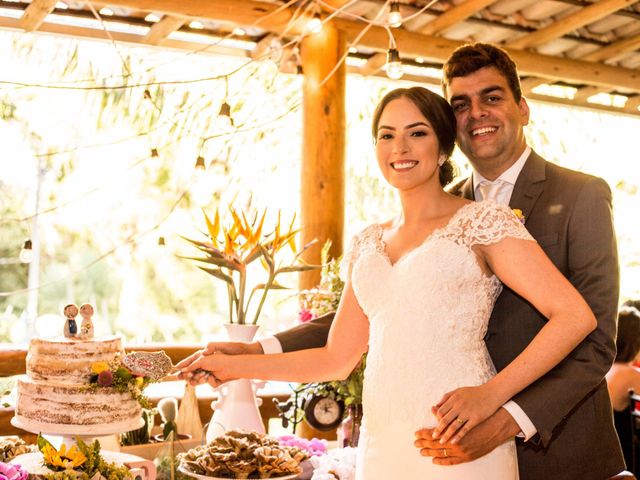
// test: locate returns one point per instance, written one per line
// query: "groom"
(563, 422)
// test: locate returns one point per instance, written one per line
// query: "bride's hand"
(462, 409)
(216, 365)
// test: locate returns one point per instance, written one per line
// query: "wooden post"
(323, 145)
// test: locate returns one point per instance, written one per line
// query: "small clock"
(323, 413)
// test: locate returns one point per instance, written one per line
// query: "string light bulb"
(394, 65)
(161, 241)
(395, 17)
(26, 254)
(315, 24)
(224, 119)
(200, 163)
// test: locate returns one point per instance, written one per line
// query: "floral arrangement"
(314, 446)
(80, 462)
(243, 243)
(12, 472)
(116, 375)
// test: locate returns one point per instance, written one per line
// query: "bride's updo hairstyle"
(440, 115)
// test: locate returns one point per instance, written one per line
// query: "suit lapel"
(529, 185)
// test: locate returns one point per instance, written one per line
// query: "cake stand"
(68, 435)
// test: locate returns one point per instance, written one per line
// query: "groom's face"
(490, 121)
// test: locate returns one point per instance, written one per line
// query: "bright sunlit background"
(105, 199)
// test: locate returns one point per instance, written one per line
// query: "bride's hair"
(440, 115)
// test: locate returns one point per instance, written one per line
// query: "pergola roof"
(591, 47)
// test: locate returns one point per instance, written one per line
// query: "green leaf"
(42, 442)
(219, 262)
(216, 272)
(298, 268)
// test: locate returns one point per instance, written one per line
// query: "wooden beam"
(454, 15)
(632, 104)
(582, 17)
(374, 64)
(323, 151)
(529, 83)
(438, 49)
(410, 44)
(584, 93)
(614, 49)
(162, 29)
(95, 34)
(237, 12)
(35, 14)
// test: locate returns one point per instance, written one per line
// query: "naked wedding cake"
(60, 395)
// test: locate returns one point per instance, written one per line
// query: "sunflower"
(62, 459)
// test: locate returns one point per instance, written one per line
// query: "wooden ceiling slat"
(632, 104)
(237, 12)
(438, 49)
(35, 14)
(529, 83)
(162, 29)
(454, 15)
(582, 17)
(585, 92)
(374, 64)
(614, 49)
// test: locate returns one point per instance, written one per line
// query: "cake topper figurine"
(86, 328)
(70, 325)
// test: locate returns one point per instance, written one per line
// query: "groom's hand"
(228, 348)
(480, 440)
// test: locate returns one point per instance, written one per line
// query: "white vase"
(237, 405)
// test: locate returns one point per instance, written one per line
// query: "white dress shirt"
(507, 181)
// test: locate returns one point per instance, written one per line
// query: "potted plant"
(229, 253)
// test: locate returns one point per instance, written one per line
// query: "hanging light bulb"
(26, 254)
(315, 24)
(224, 119)
(395, 17)
(200, 163)
(394, 65)
(161, 241)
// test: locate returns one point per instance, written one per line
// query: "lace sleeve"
(494, 222)
(351, 254)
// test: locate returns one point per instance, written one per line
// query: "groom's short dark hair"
(470, 58)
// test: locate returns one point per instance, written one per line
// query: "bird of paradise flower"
(242, 243)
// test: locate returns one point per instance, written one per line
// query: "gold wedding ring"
(444, 452)
(460, 421)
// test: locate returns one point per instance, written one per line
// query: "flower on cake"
(99, 367)
(105, 378)
(120, 378)
(12, 472)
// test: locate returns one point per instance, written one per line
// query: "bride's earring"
(441, 160)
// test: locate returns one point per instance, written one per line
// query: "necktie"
(490, 190)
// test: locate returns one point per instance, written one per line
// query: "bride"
(419, 292)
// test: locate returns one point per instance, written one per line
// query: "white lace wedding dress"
(428, 315)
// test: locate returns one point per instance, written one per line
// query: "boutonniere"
(518, 213)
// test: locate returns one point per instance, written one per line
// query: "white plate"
(205, 477)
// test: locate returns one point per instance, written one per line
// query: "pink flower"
(304, 315)
(105, 379)
(12, 472)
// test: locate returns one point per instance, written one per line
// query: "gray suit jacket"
(569, 214)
